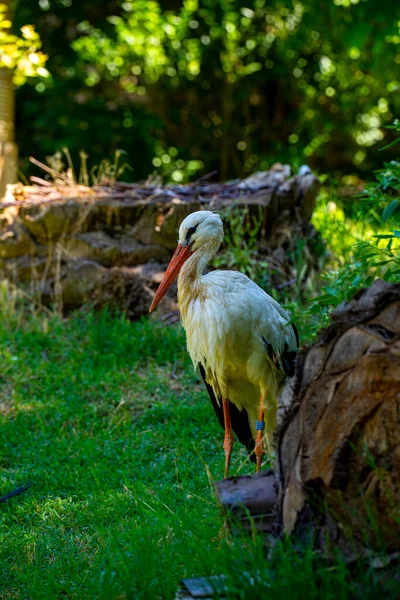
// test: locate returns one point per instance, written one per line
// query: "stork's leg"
(228, 439)
(260, 426)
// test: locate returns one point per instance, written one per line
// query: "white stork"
(238, 335)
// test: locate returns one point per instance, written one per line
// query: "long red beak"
(181, 254)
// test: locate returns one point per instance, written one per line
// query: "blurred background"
(185, 88)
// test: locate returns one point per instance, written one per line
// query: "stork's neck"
(190, 280)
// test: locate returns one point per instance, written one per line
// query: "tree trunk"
(338, 445)
(8, 149)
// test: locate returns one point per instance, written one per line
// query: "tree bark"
(8, 149)
(338, 445)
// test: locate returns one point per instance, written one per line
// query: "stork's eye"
(189, 233)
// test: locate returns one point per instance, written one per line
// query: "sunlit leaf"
(389, 210)
(250, 68)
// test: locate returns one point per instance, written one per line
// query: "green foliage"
(240, 252)
(248, 46)
(60, 169)
(343, 276)
(21, 53)
(383, 197)
(171, 166)
(362, 244)
(215, 85)
(362, 250)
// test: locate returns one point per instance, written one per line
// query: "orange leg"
(228, 440)
(260, 426)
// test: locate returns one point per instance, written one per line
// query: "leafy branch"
(21, 54)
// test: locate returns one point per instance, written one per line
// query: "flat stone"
(113, 251)
(47, 222)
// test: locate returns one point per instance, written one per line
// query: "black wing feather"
(239, 419)
(296, 334)
(289, 356)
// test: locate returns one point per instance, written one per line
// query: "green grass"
(115, 447)
(109, 422)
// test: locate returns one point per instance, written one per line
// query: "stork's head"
(199, 229)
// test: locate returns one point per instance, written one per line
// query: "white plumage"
(238, 333)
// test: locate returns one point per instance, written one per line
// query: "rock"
(308, 187)
(110, 215)
(50, 222)
(15, 241)
(81, 281)
(159, 225)
(108, 251)
(53, 236)
(119, 288)
(151, 275)
(29, 269)
(123, 289)
(250, 502)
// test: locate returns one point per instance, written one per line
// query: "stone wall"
(69, 246)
